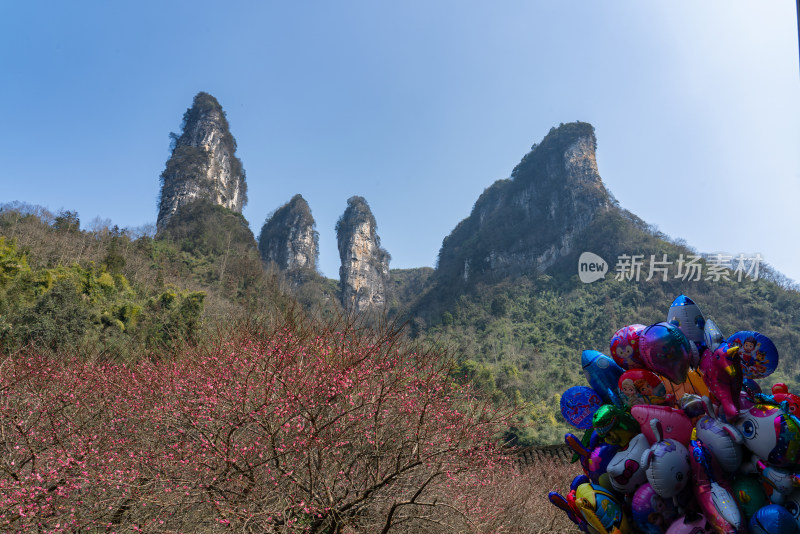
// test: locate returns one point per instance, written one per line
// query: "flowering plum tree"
(300, 428)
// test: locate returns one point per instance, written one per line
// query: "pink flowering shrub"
(299, 429)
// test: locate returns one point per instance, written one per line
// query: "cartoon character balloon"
(650, 512)
(625, 471)
(578, 405)
(771, 434)
(640, 386)
(601, 509)
(666, 464)
(780, 393)
(625, 346)
(666, 351)
(758, 353)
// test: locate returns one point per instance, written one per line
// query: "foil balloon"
(691, 524)
(783, 481)
(792, 505)
(666, 351)
(759, 357)
(625, 346)
(602, 373)
(722, 373)
(771, 434)
(780, 392)
(650, 512)
(749, 494)
(578, 405)
(601, 509)
(686, 315)
(567, 505)
(675, 424)
(712, 491)
(772, 519)
(594, 458)
(625, 471)
(693, 385)
(723, 440)
(692, 405)
(640, 386)
(666, 464)
(615, 425)
(712, 335)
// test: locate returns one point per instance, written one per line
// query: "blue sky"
(417, 106)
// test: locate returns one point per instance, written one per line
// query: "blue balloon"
(578, 405)
(603, 373)
(758, 353)
(772, 519)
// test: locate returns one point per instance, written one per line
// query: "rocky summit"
(531, 220)
(288, 237)
(364, 272)
(203, 164)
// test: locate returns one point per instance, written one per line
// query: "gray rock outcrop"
(289, 239)
(530, 221)
(203, 164)
(364, 271)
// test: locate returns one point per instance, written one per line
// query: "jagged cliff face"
(364, 272)
(288, 237)
(203, 164)
(530, 221)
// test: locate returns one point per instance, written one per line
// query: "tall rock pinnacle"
(203, 164)
(531, 220)
(364, 273)
(288, 237)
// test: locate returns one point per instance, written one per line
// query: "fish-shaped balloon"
(603, 373)
(713, 493)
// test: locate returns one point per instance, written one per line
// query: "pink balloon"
(675, 424)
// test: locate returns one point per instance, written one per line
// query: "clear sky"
(417, 106)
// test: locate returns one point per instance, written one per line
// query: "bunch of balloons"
(679, 437)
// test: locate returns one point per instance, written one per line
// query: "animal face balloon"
(666, 351)
(722, 440)
(771, 434)
(625, 346)
(667, 465)
(625, 471)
